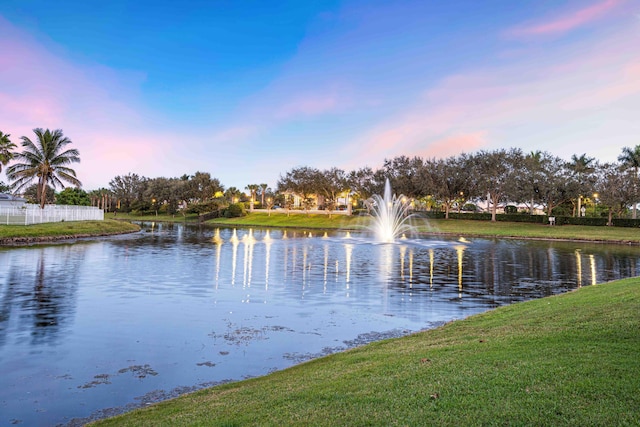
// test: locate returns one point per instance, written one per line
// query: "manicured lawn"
(152, 217)
(298, 220)
(567, 360)
(442, 226)
(65, 229)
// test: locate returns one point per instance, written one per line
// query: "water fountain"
(391, 219)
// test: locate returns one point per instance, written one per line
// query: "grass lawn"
(20, 233)
(567, 360)
(152, 217)
(443, 226)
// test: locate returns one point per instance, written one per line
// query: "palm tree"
(630, 159)
(254, 189)
(6, 149)
(264, 189)
(582, 166)
(46, 159)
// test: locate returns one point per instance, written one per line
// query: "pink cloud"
(568, 21)
(96, 108)
(456, 144)
(560, 100)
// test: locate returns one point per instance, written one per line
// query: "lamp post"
(595, 203)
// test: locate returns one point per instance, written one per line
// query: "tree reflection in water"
(188, 306)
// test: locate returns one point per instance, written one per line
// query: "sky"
(248, 90)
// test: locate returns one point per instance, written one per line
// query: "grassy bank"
(152, 217)
(443, 226)
(564, 360)
(60, 230)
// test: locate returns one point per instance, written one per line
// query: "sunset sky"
(247, 90)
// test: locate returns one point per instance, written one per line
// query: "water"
(100, 326)
(390, 215)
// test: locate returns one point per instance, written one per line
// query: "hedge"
(536, 219)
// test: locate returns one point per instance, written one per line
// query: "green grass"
(298, 220)
(571, 359)
(18, 233)
(442, 226)
(152, 217)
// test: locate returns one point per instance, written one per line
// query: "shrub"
(203, 207)
(234, 211)
(510, 209)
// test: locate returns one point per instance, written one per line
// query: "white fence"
(32, 214)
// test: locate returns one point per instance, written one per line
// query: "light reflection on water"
(130, 319)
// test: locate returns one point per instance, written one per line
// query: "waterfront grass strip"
(442, 226)
(65, 229)
(570, 359)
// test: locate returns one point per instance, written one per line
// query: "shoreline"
(24, 240)
(32, 240)
(24, 235)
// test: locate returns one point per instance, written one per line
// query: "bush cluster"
(234, 211)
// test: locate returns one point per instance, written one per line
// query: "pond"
(100, 326)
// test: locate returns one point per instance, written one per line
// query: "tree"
(450, 178)
(101, 198)
(4, 188)
(555, 178)
(302, 181)
(630, 159)
(362, 182)
(128, 189)
(528, 180)
(582, 170)
(263, 191)
(253, 188)
(496, 175)
(404, 175)
(73, 196)
(233, 195)
(46, 159)
(6, 149)
(163, 193)
(615, 189)
(32, 194)
(202, 187)
(331, 183)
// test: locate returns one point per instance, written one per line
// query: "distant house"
(9, 201)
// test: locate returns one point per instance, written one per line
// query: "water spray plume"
(390, 215)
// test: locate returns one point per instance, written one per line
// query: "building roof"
(10, 198)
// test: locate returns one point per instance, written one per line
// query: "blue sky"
(247, 90)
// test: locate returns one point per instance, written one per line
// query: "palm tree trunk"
(42, 192)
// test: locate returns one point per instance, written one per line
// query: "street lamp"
(595, 203)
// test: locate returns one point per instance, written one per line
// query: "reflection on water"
(132, 319)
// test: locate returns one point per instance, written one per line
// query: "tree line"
(496, 177)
